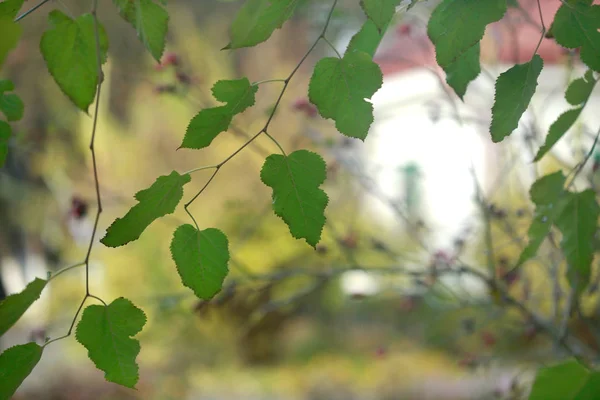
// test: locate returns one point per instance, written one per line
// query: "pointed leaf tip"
(297, 197)
(106, 332)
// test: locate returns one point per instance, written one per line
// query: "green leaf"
(568, 380)
(366, 40)
(16, 363)
(456, 26)
(157, 201)
(547, 193)
(106, 331)
(10, 104)
(201, 258)
(10, 33)
(462, 71)
(339, 87)
(380, 12)
(580, 89)
(576, 25)
(256, 21)
(69, 49)
(5, 133)
(14, 306)
(239, 95)
(297, 198)
(514, 90)
(578, 223)
(557, 130)
(150, 21)
(10, 8)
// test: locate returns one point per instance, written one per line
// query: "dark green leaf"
(514, 90)
(568, 380)
(575, 25)
(201, 258)
(256, 21)
(10, 8)
(297, 197)
(10, 104)
(16, 363)
(5, 133)
(339, 87)
(380, 12)
(150, 21)
(14, 306)
(106, 331)
(578, 223)
(580, 89)
(239, 94)
(366, 40)
(462, 71)
(10, 33)
(558, 130)
(69, 49)
(157, 201)
(547, 193)
(456, 26)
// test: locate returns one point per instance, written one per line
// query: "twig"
(32, 9)
(271, 115)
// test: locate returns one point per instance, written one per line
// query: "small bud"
(79, 207)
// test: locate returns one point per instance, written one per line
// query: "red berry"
(79, 207)
(380, 352)
(488, 339)
(170, 59)
(404, 29)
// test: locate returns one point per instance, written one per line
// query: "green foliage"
(578, 222)
(366, 40)
(339, 87)
(207, 124)
(576, 24)
(546, 194)
(16, 363)
(256, 21)
(10, 33)
(201, 258)
(106, 331)
(568, 380)
(150, 22)
(514, 90)
(10, 104)
(464, 70)
(10, 8)
(297, 198)
(157, 201)
(577, 94)
(557, 130)
(380, 12)
(576, 217)
(457, 25)
(5, 133)
(69, 49)
(580, 89)
(14, 306)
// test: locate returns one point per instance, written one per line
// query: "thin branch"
(32, 9)
(271, 115)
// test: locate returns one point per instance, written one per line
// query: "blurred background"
(381, 310)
